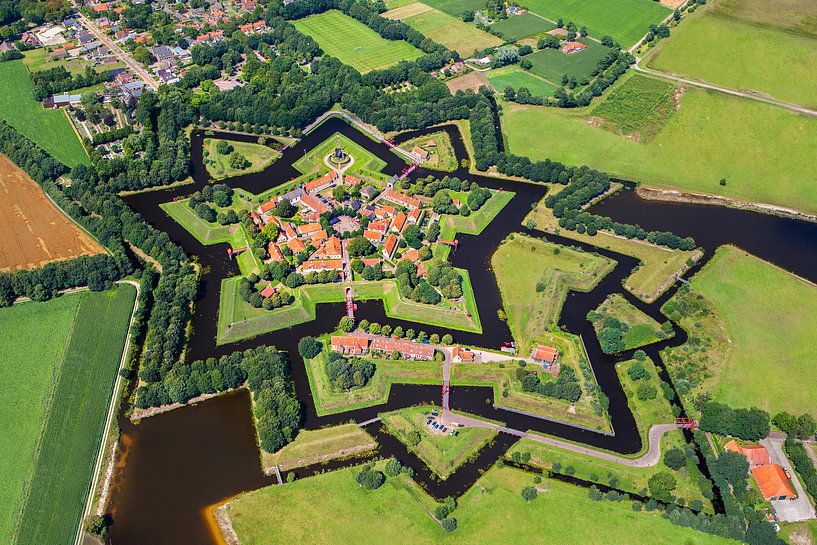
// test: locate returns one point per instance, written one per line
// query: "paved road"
(118, 52)
(788, 510)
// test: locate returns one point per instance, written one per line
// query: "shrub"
(370, 479)
(529, 493)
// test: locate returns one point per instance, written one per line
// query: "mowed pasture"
(49, 129)
(443, 28)
(72, 346)
(35, 231)
(456, 7)
(552, 64)
(711, 136)
(770, 317)
(726, 46)
(354, 43)
(515, 77)
(626, 21)
(516, 27)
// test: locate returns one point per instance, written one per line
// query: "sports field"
(726, 45)
(354, 43)
(332, 509)
(516, 27)
(443, 28)
(53, 412)
(50, 129)
(625, 20)
(35, 231)
(770, 317)
(513, 76)
(552, 64)
(711, 136)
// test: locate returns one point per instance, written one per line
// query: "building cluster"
(354, 345)
(772, 480)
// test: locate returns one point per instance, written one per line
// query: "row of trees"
(750, 424)
(58, 80)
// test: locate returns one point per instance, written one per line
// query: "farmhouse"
(773, 482)
(421, 153)
(756, 455)
(544, 354)
(573, 47)
(407, 349)
(349, 344)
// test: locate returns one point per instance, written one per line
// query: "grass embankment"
(441, 452)
(658, 264)
(354, 43)
(258, 155)
(748, 44)
(501, 376)
(239, 320)
(513, 76)
(443, 28)
(641, 329)
(710, 137)
(442, 153)
(366, 163)
(473, 224)
(331, 400)
(316, 446)
(49, 129)
(66, 355)
(767, 349)
(331, 508)
(534, 277)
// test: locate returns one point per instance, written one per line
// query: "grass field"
(625, 20)
(67, 387)
(513, 76)
(516, 27)
(49, 129)
(473, 224)
(658, 263)
(711, 136)
(443, 28)
(770, 317)
(552, 64)
(442, 157)
(366, 163)
(456, 7)
(354, 43)
(638, 109)
(725, 44)
(316, 446)
(331, 509)
(259, 156)
(524, 264)
(641, 329)
(442, 453)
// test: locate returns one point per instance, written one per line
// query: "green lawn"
(217, 165)
(316, 446)
(456, 7)
(441, 452)
(711, 136)
(516, 27)
(474, 223)
(354, 43)
(332, 509)
(72, 376)
(49, 129)
(513, 76)
(442, 155)
(523, 265)
(444, 29)
(552, 64)
(641, 329)
(658, 263)
(770, 317)
(729, 47)
(625, 20)
(365, 162)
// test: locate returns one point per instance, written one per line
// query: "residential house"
(296, 245)
(462, 355)
(573, 47)
(401, 199)
(390, 246)
(773, 483)
(372, 236)
(420, 152)
(547, 357)
(314, 203)
(349, 344)
(319, 265)
(319, 184)
(756, 455)
(309, 229)
(407, 349)
(268, 291)
(369, 192)
(399, 222)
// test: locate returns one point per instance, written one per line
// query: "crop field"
(35, 232)
(513, 76)
(552, 64)
(711, 136)
(727, 45)
(456, 7)
(354, 43)
(766, 311)
(80, 365)
(320, 508)
(638, 109)
(516, 27)
(50, 129)
(625, 20)
(445, 29)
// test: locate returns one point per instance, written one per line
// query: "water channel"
(173, 466)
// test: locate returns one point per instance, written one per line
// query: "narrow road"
(118, 52)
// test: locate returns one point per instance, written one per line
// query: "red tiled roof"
(373, 236)
(349, 343)
(275, 252)
(415, 214)
(370, 261)
(322, 265)
(267, 291)
(570, 47)
(412, 255)
(308, 228)
(352, 181)
(296, 245)
(417, 150)
(314, 203)
(269, 205)
(289, 231)
(757, 455)
(773, 482)
(544, 353)
(406, 348)
(390, 246)
(399, 198)
(399, 222)
(463, 354)
(322, 182)
(381, 226)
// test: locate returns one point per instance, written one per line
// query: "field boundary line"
(67, 215)
(76, 132)
(111, 414)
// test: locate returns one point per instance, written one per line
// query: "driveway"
(788, 510)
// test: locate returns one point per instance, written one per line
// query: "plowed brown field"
(33, 231)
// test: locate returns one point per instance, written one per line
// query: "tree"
(637, 371)
(675, 458)
(447, 339)
(661, 485)
(393, 467)
(339, 193)
(529, 493)
(238, 161)
(468, 15)
(733, 467)
(449, 524)
(223, 147)
(646, 391)
(309, 347)
(359, 246)
(762, 533)
(370, 479)
(346, 324)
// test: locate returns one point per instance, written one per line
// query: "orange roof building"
(313, 203)
(296, 245)
(331, 249)
(401, 199)
(399, 222)
(349, 344)
(416, 215)
(275, 252)
(318, 265)
(773, 483)
(411, 255)
(380, 226)
(352, 181)
(544, 354)
(573, 47)
(756, 455)
(407, 349)
(373, 236)
(420, 152)
(327, 180)
(267, 291)
(309, 228)
(461, 354)
(390, 246)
